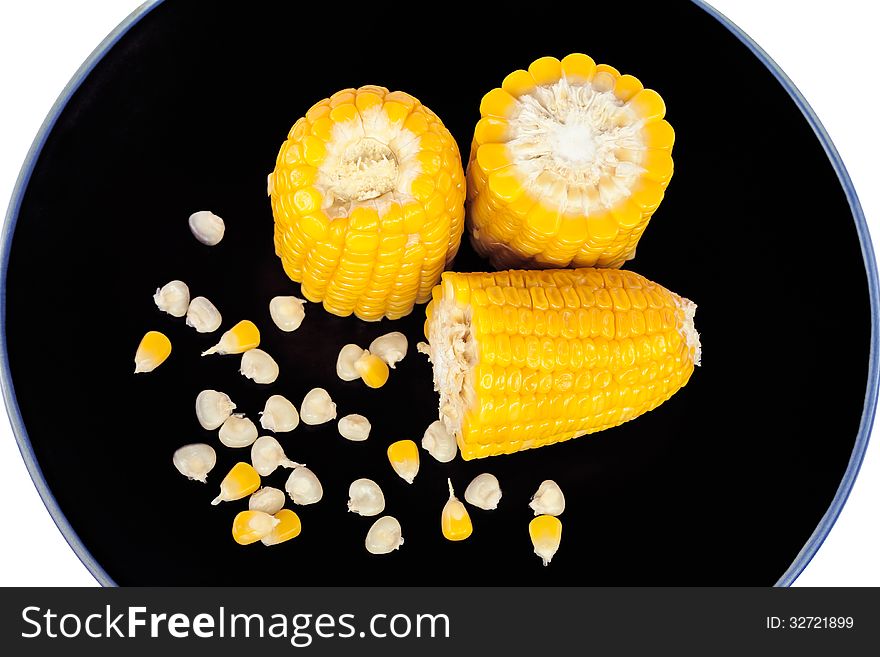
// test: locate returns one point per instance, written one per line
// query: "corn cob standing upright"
(568, 163)
(368, 198)
(530, 358)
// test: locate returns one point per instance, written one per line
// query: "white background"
(829, 49)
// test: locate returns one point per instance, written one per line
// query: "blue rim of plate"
(867, 420)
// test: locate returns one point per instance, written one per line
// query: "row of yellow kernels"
(573, 353)
(498, 380)
(581, 323)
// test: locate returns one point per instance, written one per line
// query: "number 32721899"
(810, 623)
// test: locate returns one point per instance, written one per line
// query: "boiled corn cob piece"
(530, 358)
(368, 197)
(568, 163)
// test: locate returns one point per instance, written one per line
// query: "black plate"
(723, 484)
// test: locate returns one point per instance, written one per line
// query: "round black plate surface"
(723, 484)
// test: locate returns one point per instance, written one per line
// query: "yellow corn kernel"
(372, 370)
(240, 338)
(241, 481)
(455, 522)
(546, 188)
(546, 534)
(554, 354)
(252, 526)
(404, 458)
(288, 527)
(152, 351)
(361, 150)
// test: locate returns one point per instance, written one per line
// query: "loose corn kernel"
(238, 431)
(549, 499)
(372, 370)
(251, 526)
(365, 498)
(268, 500)
(303, 487)
(207, 227)
(317, 407)
(241, 337)
(195, 461)
(484, 492)
(203, 316)
(345, 361)
(213, 408)
(152, 351)
(546, 534)
(267, 455)
(455, 521)
(287, 312)
(258, 366)
(241, 481)
(279, 415)
(439, 443)
(172, 298)
(354, 427)
(390, 347)
(404, 458)
(288, 527)
(384, 536)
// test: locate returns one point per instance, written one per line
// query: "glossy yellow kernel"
(153, 350)
(404, 458)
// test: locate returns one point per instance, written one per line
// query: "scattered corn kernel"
(439, 443)
(404, 458)
(213, 408)
(172, 298)
(207, 227)
(267, 454)
(258, 366)
(203, 316)
(372, 370)
(268, 500)
(303, 487)
(348, 356)
(317, 407)
(195, 461)
(241, 481)
(287, 312)
(484, 492)
(152, 351)
(390, 347)
(546, 534)
(354, 427)
(384, 536)
(241, 337)
(288, 527)
(455, 521)
(365, 498)
(279, 415)
(549, 499)
(238, 431)
(251, 526)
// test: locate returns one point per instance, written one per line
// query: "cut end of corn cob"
(530, 358)
(568, 163)
(368, 198)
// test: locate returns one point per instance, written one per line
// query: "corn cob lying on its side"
(568, 163)
(530, 358)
